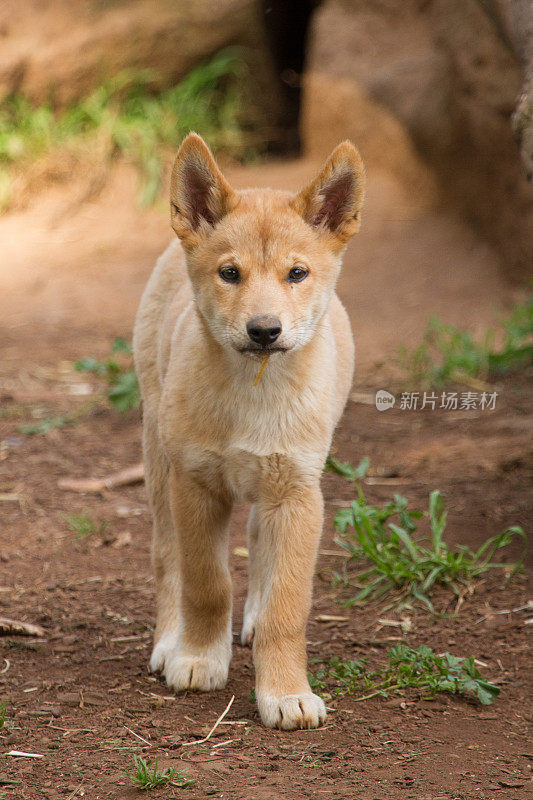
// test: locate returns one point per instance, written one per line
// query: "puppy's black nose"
(263, 330)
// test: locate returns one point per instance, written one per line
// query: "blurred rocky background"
(436, 92)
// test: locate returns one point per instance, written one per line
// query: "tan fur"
(212, 437)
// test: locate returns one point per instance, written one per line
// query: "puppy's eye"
(297, 274)
(230, 274)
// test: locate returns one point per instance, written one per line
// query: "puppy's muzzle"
(263, 331)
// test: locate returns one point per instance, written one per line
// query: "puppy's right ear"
(199, 194)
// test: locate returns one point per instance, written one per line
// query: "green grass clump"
(84, 526)
(450, 354)
(397, 562)
(127, 116)
(3, 713)
(407, 669)
(123, 387)
(146, 775)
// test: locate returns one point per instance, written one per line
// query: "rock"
(341, 109)
(515, 19)
(426, 89)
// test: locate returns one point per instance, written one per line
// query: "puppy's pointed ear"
(333, 201)
(199, 194)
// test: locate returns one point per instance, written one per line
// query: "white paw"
(199, 673)
(251, 613)
(291, 711)
(202, 670)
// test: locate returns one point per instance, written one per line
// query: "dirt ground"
(81, 696)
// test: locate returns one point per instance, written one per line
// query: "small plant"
(3, 713)
(449, 354)
(346, 470)
(46, 425)
(146, 775)
(122, 390)
(383, 537)
(123, 387)
(84, 526)
(407, 669)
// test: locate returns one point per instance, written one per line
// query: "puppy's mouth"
(262, 351)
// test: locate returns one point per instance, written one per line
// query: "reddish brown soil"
(82, 695)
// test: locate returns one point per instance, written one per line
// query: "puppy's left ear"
(200, 196)
(332, 202)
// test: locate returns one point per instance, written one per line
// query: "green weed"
(84, 526)
(44, 426)
(123, 387)
(146, 775)
(450, 354)
(407, 669)
(3, 713)
(126, 116)
(400, 564)
(346, 470)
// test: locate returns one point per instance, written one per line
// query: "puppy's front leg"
(290, 530)
(202, 654)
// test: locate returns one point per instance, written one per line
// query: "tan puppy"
(254, 275)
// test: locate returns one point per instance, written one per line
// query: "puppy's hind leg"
(165, 552)
(253, 600)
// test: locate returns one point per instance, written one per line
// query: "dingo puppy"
(254, 275)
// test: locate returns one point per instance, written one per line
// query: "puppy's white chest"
(238, 471)
(242, 474)
(240, 434)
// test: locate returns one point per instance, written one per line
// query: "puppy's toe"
(313, 710)
(162, 651)
(291, 711)
(196, 673)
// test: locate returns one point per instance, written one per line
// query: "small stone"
(510, 784)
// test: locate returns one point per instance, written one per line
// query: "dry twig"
(124, 477)
(138, 736)
(215, 726)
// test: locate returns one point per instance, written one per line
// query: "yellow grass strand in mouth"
(261, 370)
